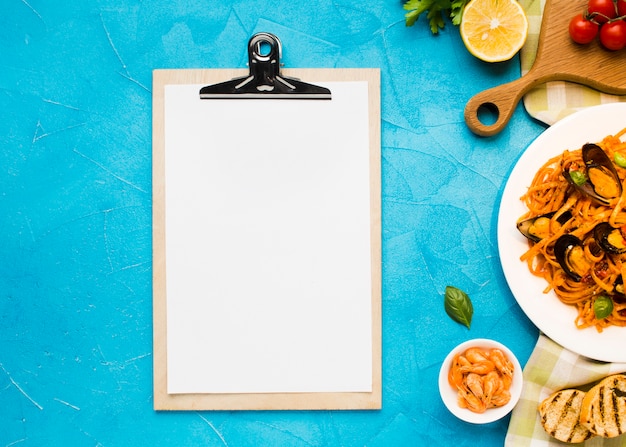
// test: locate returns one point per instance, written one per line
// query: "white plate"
(449, 395)
(552, 317)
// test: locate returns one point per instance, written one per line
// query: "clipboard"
(217, 87)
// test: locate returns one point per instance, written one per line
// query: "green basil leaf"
(458, 306)
(602, 307)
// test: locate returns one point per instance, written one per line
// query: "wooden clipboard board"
(163, 400)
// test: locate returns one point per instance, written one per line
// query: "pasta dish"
(576, 228)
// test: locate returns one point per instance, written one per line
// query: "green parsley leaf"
(415, 8)
(435, 18)
(456, 11)
(436, 12)
(458, 306)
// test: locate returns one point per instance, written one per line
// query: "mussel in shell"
(601, 182)
(569, 252)
(609, 238)
(536, 228)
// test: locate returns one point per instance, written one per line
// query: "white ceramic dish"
(449, 395)
(552, 317)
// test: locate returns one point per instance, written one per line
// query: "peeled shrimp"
(482, 378)
(475, 385)
(467, 400)
(475, 355)
(503, 364)
(482, 367)
(492, 385)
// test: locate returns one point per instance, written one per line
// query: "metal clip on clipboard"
(264, 80)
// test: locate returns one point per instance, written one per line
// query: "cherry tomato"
(601, 10)
(582, 30)
(613, 35)
(621, 8)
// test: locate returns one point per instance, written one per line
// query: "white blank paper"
(268, 245)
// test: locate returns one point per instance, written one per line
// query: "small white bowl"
(449, 395)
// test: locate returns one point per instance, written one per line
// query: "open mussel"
(611, 239)
(536, 228)
(599, 181)
(569, 252)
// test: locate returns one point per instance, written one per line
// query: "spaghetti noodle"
(594, 276)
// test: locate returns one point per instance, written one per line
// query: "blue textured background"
(75, 215)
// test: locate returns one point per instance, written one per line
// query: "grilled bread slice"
(603, 410)
(560, 414)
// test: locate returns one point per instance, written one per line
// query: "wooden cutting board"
(558, 59)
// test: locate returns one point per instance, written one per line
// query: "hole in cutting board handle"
(495, 105)
(488, 113)
(485, 118)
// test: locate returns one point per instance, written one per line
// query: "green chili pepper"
(602, 306)
(620, 160)
(578, 177)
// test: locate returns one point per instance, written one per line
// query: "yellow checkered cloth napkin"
(551, 368)
(554, 100)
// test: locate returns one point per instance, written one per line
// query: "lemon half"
(494, 30)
